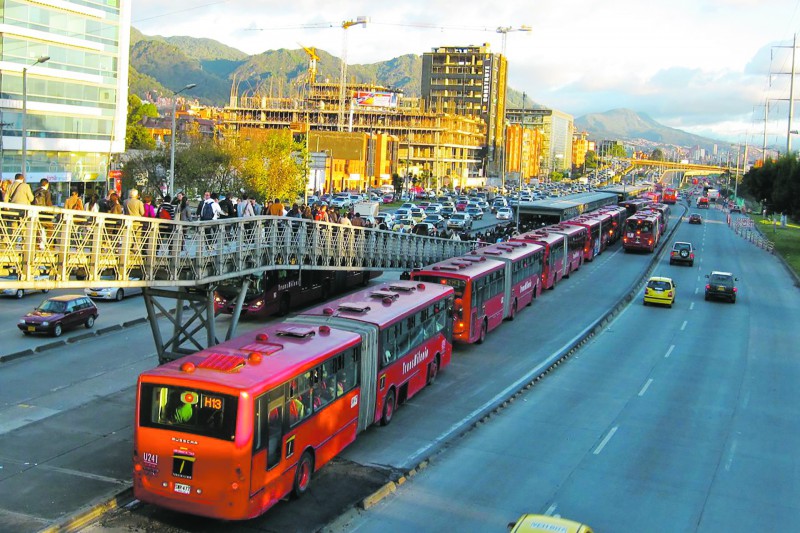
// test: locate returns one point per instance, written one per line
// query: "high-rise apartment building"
(471, 81)
(73, 55)
(556, 127)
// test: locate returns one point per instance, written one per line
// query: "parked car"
(112, 293)
(417, 214)
(504, 213)
(403, 224)
(401, 212)
(437, 222)
(460, 221)
(475, 212)
(386, 218)
(341, 201)
(447, 211)
(388, 198)
(659, 290)
(408, 205)
(461, 205)
(56, 314)
(19, 293)
(721, 286)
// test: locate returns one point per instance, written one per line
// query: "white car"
(19, 293)
(504, 213)
(112, 293)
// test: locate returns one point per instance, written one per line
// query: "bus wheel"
(388, 408)
(302, 476)
(433, 370)
(482, 336)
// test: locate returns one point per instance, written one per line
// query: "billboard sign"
(376, 99)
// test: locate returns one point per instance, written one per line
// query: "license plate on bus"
(182, 489)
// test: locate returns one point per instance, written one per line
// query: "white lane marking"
(683, 326)
(605, 440)
(669, 352)
(691, 305)
(644, 389)
(729, 460)
(696, 290)
(550, 510)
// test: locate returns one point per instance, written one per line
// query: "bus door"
(268, 431)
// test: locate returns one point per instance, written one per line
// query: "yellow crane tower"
(312, 63)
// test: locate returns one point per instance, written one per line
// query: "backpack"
(207, 213)
(164, 213)
(40, 196)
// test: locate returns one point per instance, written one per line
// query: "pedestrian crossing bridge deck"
(48, 248)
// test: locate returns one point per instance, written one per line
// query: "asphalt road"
(679, 419)
(65, 431)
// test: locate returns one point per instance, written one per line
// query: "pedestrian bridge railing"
(50, 247)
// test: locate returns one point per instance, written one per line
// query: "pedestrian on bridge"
(19, 192)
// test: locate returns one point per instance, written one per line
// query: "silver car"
(112, 293)
(19, 293)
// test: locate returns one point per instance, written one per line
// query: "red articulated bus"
(593, 223)
(523, 272)
(670, 195)
(555, 252)
(231, 430)
(577, 242)
(641, 232)
(635, 204)
(663, 211)
(618, 216)
(653, 196)
(479, 284)
(278, 291)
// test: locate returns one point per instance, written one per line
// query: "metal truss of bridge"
(48, 248)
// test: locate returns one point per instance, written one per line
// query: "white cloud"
(698, 63)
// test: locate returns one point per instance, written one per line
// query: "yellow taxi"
(659, 290)
(538, 523)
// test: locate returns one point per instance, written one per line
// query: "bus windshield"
(458, 284)
(188, 410)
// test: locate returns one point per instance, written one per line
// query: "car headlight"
(21, 320)
(45, 323)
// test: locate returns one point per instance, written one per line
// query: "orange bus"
(231, 430)
(618, 215)
(641, 232)
(577, 241)
(479, 284)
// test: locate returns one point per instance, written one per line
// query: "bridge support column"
(200, 303)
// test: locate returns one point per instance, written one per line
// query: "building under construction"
(376, 134)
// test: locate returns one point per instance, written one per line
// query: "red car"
(461, 205)
(56, 314)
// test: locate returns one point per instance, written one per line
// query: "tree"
(657, 155)
(591, 159)
(136, 135)
(270, 163)
(145, 170)
(206, 165)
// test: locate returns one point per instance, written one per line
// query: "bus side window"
(298, 404)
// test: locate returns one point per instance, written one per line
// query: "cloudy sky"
(699, 65)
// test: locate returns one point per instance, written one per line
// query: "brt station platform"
(50, 247)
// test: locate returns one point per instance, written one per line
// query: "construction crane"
(343, 75)
(312, 63)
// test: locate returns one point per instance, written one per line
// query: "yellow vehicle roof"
(537, 523)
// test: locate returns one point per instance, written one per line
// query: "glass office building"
(74, 56)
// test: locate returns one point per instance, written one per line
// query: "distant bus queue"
(231, 430)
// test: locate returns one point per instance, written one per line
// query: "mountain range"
(163, 64)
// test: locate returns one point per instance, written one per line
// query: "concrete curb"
(86, 516)
(76, 338)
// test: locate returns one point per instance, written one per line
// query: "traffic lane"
(651, 446)
(110, 313)
(479, 374)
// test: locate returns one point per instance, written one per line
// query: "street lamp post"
(40, 59)
(172, 140)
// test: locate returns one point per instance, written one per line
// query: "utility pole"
(343, 74)
(791, 99)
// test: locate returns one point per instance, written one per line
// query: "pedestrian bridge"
(48, 248)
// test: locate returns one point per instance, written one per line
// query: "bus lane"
(430, 420)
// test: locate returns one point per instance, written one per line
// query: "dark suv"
(56, 314)
(721, 286)
(682, 252)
